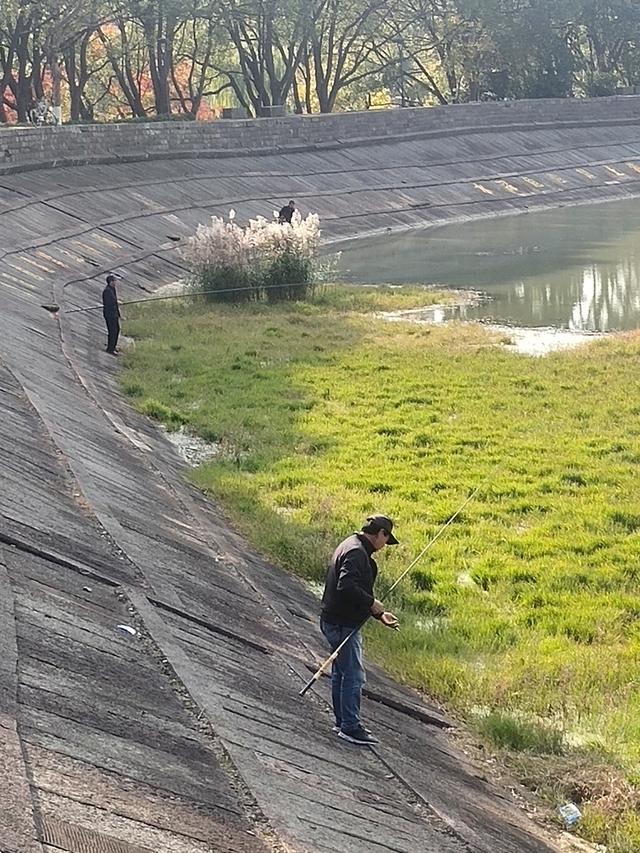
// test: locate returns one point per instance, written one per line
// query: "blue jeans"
(347, 676)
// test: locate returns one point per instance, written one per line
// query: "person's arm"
(350, 586)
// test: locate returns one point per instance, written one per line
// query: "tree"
(199, 48)
(347, 40)
(17, 24)
(134, 58)
(529, 52)
(269, 38)
(127, 61)
(604, 38)
(437, 50)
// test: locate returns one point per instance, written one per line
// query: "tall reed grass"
(263, 260)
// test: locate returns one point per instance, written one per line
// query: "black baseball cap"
(383, 522)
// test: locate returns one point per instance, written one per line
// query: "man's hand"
(377, 609)
(390, 620)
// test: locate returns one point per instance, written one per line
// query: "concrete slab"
(85, 712)
(18, 831)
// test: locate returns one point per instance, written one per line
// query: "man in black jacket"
(111, 314)
(286, 213)
(347, 602)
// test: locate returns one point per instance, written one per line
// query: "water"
(574, 268)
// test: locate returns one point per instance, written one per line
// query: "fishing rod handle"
(318, 673)
(323, 666)
(310, 683)
(330, 659)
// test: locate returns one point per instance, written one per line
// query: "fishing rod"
(55, 309)
(318, 674)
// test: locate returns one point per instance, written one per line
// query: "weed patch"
(506, 732)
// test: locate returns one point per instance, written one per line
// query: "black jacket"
(110, 310)
(348, 591)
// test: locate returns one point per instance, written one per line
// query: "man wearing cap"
(347, 602)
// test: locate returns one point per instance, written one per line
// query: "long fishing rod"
(54, 309)
(429, 545)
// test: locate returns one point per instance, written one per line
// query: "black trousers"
(113, 332)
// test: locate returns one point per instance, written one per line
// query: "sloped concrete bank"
(187, 735)
(361, 172)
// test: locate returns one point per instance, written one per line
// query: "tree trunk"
(159, 46)
(23, 88)
(125, 79)
(56, 80)
(7, 82)
(77, 78)
(296, 98)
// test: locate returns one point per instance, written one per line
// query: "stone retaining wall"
(46, 147)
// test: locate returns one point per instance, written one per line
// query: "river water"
(574, 268)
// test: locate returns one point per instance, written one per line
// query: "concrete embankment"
(187, 735)
(360, 171)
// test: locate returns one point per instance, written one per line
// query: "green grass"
(508, 732)
(528, 607)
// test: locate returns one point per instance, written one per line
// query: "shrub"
(159, 412)
(263, 260)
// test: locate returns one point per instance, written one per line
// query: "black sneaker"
(336, 728)
(359, 736)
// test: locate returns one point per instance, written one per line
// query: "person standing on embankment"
(286, 213)
(347, 602)
(111, 314)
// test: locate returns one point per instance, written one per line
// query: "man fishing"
(286, 213)
(347, 602)
(111, 314)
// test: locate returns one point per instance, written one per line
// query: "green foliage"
(444, 52)
(264, 260)
(505, 731)
(423, 579)
(225, 284)
(601, 84)
(290, 276)
(619, 831)
(159, 411)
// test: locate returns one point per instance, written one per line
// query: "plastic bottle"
(570, 814)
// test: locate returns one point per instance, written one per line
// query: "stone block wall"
(46, 147)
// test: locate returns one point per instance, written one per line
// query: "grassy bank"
(524, 617)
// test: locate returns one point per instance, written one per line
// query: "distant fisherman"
(286, 213)
(111, 314)
(347, 601)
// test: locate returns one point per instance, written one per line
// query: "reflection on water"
(574, 268)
